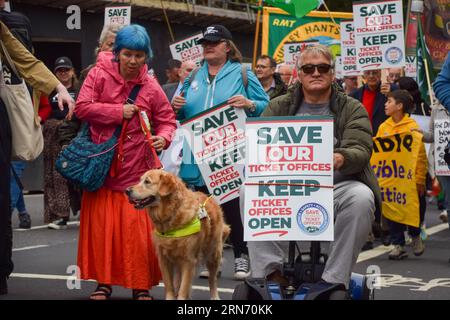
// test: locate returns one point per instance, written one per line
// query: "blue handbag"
(85, 163)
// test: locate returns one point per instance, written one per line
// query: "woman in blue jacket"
(220, 79)
(441, 85)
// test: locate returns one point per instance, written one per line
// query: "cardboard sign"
(348, 49)
(394, 161)
(188, 49)
(217, 140)
(379, 35)
(118, 15)
(441, 139)
(292, 50)
(289, 179)
(411, 66)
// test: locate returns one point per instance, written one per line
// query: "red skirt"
(115, 244)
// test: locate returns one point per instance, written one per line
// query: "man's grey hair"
(316, 49)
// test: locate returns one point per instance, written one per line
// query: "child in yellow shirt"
(398, 105)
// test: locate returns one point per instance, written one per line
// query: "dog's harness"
(190, 228)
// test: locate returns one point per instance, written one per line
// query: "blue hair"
(133, 37)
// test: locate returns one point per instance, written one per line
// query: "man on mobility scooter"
(356, 192)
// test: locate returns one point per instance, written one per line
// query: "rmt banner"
(188, 49)
(217, 140)
(289, 179)
(379, 35)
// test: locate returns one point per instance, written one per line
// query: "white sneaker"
(241, 267)
(443, 216)
(59, 224)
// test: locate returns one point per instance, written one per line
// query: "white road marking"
(76, 223)
(381, 249)
(58, 277)
(31, 247)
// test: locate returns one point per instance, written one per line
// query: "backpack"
(20, 27)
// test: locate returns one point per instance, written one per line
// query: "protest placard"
(289, 179)
(217, 141)
(394, 161)
(292, 49)
(348, 49)
(188, 49)
(411, 66)
(441, 139)
(118, 15)
(379, 34)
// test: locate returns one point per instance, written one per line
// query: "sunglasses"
(311, 68)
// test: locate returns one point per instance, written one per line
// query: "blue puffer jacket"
(200, 95)
(441, 85)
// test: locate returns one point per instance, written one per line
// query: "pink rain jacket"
(100, 103)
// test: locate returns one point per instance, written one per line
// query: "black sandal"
(139, 294)
(102, 290)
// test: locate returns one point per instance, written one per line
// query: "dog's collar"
(190, 228)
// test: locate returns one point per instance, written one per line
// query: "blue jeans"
(17, 201)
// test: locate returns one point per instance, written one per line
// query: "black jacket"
(169, 89)
(378, 115)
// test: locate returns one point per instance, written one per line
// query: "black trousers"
(6, 264)
(233, 218)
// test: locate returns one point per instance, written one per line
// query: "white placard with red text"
(292, 50)
(289, 179)
(188, 49)
(118, 15)
(348, 49)
(379, 34)
(217, 141)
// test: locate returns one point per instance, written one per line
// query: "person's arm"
(31, 69)
(422, 165)
(163, 117)
(441, 85)
(356, 139)
(45, 109)
(34, 71)
(90, 109)
(256, 93)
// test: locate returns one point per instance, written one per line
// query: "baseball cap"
(63, 62)
(215, 33)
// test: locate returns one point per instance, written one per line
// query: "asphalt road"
(44, 261)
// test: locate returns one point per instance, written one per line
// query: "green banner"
(280, 28)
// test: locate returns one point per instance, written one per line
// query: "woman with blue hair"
(115, 244)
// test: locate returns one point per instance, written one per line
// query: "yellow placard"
(394, 161)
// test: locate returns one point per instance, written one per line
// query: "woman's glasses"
(311, 68)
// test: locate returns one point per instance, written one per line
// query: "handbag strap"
(121, 134)
(9, 60)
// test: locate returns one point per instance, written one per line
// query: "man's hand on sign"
(338, 160)
(385, 88)
(420, 189)
(240, 101)
(178, 102)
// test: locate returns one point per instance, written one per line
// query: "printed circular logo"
(394, 55)
(313, 219)
(194, 85)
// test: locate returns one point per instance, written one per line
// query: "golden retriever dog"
(171, 206)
